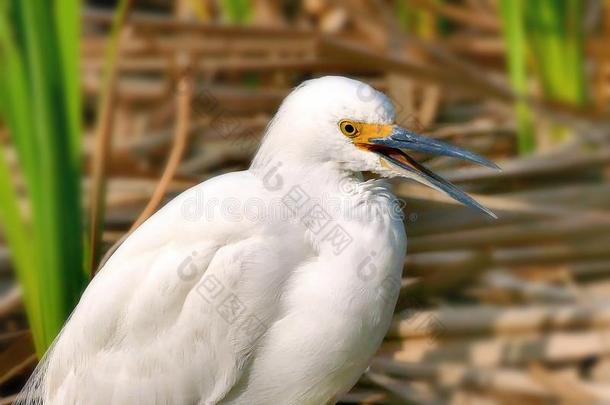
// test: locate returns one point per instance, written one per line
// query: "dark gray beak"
(391, 147)
(402, 138)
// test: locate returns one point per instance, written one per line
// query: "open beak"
(391, 146)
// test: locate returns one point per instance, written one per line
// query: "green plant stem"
(514, 35)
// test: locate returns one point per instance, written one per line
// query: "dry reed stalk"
(400, 389)
(480, 319)
(183, 108)
(104, 136)
(164, 24)
(559, 347)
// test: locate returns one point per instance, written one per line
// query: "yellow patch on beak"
(361, 132)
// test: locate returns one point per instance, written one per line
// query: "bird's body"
(273, 285)
(303, 324)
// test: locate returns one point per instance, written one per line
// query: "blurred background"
(110, 108)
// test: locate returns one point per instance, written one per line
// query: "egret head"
(339, 120)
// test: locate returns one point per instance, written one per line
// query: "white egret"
(273, 285)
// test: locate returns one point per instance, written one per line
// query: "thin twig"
(183, 103)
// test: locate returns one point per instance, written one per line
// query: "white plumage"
(273, 285)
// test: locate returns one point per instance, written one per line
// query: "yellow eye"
(348, 128)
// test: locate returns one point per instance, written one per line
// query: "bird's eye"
(348, 128)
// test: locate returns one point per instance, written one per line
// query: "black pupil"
(349, 128)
